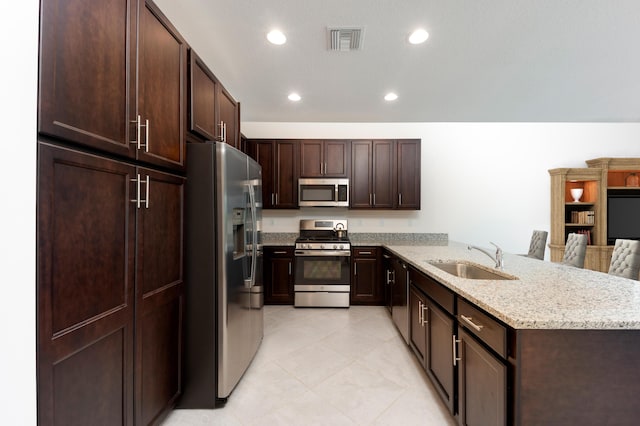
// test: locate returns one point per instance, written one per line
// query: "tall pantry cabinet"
(111, 150)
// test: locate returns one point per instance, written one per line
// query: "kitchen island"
(571, 337)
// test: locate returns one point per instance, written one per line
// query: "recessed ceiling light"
(276, 37)
(294, 97)
(418, 36)
(390, 96)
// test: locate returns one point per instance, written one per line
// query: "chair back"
(575, 250)
(625, 261)
(538, 245)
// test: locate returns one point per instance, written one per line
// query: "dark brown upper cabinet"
(118, 88)
(279, 171)
(408, 174)
(324, 158)
(372, 174)
(213, 113)
(385, 174)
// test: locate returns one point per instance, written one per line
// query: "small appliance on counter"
(322, 264)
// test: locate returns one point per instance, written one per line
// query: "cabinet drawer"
(277, 251)
(371, 252)
(483, 326)
(436, 291)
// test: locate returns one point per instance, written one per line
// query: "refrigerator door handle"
(254, 230)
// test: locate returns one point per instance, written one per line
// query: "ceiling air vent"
(345, 39)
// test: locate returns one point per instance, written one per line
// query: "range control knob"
(335, 246)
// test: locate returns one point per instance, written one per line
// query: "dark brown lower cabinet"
(109, 290)
(366, 286)
(278, 275)
(432, 331)
(482, 384)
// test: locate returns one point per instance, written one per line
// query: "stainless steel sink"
(471, 271)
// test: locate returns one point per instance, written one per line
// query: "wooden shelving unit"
(601, 175)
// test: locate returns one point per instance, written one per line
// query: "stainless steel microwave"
(323, 192)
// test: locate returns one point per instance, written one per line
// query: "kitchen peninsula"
(562, 340)
(552, 345)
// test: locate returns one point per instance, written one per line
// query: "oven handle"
(323, 253)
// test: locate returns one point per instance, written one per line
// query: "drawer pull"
(469, 321)
(364, 252)
(279, 252)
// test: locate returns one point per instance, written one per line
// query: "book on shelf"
(587, 217)
(586, 232)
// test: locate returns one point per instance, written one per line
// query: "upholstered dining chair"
(575, 250)
(538, 245)
(625, 261)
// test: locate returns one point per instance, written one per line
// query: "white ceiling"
(485, 60)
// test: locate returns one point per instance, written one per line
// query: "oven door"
(322, 270)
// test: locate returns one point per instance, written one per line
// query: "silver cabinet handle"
(400, 199)
(138, 200)
(455, 350)
(221, 138)
(386, 256)
(469, 321)
(146, 134)
(138, 141)
(325, 168)
(355, 269)
(364, 252)
(425, 312)
(137, 125)
(280, 252)
(276, 198)
(289, 266)
(370, 199)
(146, 200)
(272, 203)
(374, 198)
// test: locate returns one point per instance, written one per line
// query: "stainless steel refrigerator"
(223, 261)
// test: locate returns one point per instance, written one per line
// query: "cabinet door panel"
(439, 357)
(228, 116)
(286, 186)
(361, 167)
(383, 171)
(281, 288)
(85, 93)
(417, 329)
(85, 287)
(203, 90)
(263, 153)
(161, 97)
(482, 384)
(336, 158)
(408, 165)
(159, 295)
(311, 158)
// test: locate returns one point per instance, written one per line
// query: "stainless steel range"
(322, 264)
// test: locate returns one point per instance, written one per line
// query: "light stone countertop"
(545, 296)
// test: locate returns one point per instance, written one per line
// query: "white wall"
(18, 76)
(481, 182)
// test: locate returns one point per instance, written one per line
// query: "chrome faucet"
(498, 258)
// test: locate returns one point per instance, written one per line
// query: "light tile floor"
(328, 367)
